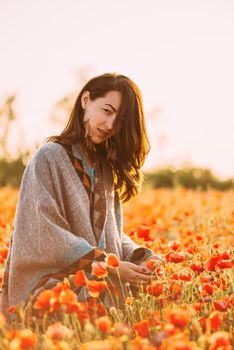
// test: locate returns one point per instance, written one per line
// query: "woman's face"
(100, 114)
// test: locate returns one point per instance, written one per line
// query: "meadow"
(189, 303)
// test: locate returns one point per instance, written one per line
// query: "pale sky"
(179, 52)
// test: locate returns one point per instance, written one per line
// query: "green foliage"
(11, 172)
(194, 178)
(161, 178)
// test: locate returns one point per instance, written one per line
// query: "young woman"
(69, 211)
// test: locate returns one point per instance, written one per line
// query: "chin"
(98, 140)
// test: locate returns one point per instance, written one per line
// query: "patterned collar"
(93, 154)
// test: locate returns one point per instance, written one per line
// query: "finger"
(143, 277)
(142, 269)
(146, 270)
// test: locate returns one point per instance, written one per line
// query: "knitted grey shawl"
(52, 227)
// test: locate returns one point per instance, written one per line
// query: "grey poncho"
(52, 227)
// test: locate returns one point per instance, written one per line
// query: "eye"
(107, 111)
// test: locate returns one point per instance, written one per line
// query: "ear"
(85, 99)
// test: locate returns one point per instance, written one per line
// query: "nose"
(110, 122)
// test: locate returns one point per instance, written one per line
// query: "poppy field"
(188, 304)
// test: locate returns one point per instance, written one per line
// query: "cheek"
(96, 117)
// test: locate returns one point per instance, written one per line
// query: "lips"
(103, 132)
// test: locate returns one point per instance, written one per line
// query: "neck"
(92, 154)
(90, 145)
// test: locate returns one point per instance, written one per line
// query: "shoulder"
(49, 161)
(48, 155)
(48, 151)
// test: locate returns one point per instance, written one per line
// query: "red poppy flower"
(224, 284)
(192, 249)
(95, 309)
(197, 267)
(11, 309)
(208, 288)
(205, 279)
(203, 322)
(65, 285)
(216, 320)
(79, 279)
(155, 288)
(185, 276)
(217, 282)
(175, 257)
(25, 339)
(169, 328)
(175, 290)
(96, 287)
(225, 255)
(112, 260)
(179, 317)
(142, 328)
(153, 263)
(54, 305)
(174, 276)
(99, 269)
(67, 297)
(221, 305)
(154, 318)
(225, 264)
(197, 306)
(220, 340)
(43, 300)
(143, 232)
(4, 253)
(104, 324)
(211, 263)
(174, 245)
(132, 232)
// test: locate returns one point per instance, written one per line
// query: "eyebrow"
(111, 106)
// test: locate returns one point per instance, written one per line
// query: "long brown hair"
(129, 142)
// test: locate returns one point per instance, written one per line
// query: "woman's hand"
(132, 273)
(154, 257)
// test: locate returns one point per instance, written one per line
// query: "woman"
(69, 212)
